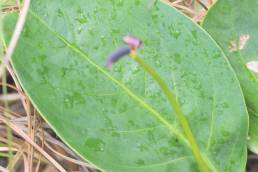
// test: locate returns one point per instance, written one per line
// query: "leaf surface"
(120, 120)
(233, 24)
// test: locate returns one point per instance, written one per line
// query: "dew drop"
(174, 32)
(91, 32)
(68, 103)
(60, 13)
(157, 63)
(95, 144)
(194, 33)
(177, 58)
(140, 162)
(142, 147)
(137, 2)
(79, 30)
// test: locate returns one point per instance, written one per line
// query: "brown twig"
(17, 32)
(70, 159)
(37, 147)
(42, 135)
(203, 5)
(9, 9)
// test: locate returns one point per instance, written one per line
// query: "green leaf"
(120, 120)
(1, 34)
(233, 24)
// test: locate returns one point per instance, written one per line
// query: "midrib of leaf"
(148, 107)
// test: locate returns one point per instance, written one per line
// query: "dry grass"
(27, 143)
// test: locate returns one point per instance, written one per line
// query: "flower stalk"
(133, 44)
(179, 113)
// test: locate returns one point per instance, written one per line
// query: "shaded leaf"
(233, 24)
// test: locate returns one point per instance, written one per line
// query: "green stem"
(179, 113)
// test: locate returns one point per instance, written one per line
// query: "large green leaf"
(120, 120)
(235, 21)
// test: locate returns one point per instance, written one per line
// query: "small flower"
(132, 42)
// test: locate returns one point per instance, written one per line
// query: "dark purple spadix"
(115, 56)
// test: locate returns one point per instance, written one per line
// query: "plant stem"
(179, 113)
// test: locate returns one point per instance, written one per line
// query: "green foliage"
(235, 21)
(120, 120)
(1, 33)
